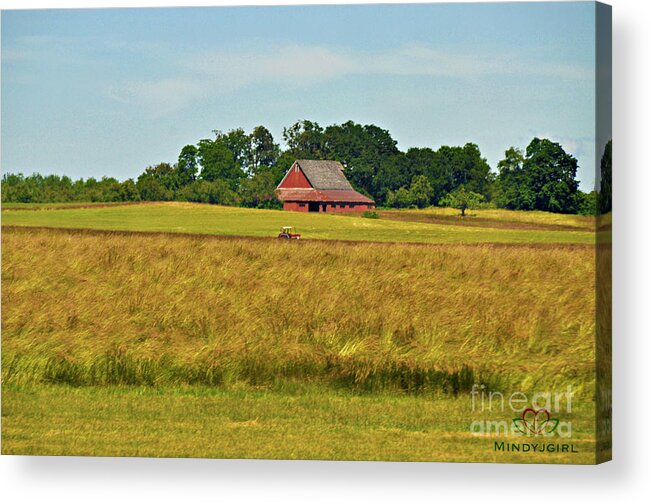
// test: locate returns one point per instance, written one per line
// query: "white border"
(110, 480)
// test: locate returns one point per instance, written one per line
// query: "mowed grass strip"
(234, 221)
(67, 205)
(315, 424)
(158, 310)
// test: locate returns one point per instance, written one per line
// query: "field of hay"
(90, 309)
(109, 338)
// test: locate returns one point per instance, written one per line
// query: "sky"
(108, 92)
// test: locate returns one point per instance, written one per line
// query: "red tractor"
(287, 232)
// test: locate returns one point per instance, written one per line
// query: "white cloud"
(220, 72)
(301, 65)
(291, 64)
(160, 97)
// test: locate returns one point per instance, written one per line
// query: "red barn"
(320, 186)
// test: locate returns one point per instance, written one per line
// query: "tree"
(511, 190)
(401, 198)
(550, 173)
(188, 166)
(462, 199)
(392, 174)
(368, 155)
(203, 191)
(421, 191)
(263, 151)
(151, 189)
(163, 174)
(544, 179)
(128, 191)
(239, 143)
(304, 139)
(474, 173)
(606, 183)
(259, 191)
(586, 203)
(218, 163)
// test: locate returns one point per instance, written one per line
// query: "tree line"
(239, 168)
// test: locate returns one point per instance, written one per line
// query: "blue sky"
(110, 91)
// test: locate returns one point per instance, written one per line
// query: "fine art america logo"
(538, 418)
(536, 421)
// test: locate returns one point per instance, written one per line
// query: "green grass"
(232, 221)
(313, 423)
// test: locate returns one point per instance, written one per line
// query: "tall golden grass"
(110, 308)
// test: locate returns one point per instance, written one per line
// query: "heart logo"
(536, 421)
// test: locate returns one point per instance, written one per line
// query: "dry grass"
(496, 218)
(136, 309)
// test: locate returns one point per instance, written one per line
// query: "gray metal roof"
(325, 174)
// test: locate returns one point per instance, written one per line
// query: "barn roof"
(325, 175)
(329, 184)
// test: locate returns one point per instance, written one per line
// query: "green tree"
(462, 199)
(239, 143)
(163, 174)
(421, 191)
(204, 191)
(606, 182)
(544, 179)
(128, 191)
(218, 163)
(368, 155)
(259, 191)
(151, 189)
(550, 173)
(304, 140)
(263, 152)
(188, 165)
(401, 198)
(586, 203)
(511, 190)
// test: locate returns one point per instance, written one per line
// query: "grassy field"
(232, 221)
(209, 422)
(177, 345)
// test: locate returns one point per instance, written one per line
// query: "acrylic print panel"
(359, 232)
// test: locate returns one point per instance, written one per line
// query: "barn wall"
(293, 206)
(295, 179)
(348, 207)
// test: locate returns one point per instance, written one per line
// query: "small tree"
(400, 199)
(151, 189)
(421, 191)
(259, 191)
(462, 199)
